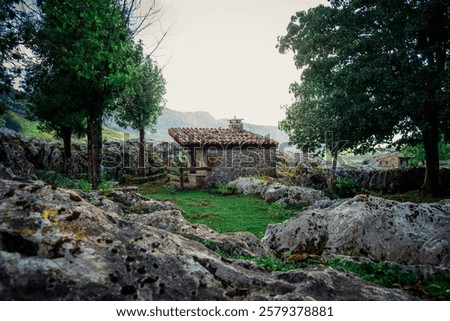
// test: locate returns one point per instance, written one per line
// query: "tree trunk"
(332, 178)
(95, 129)
(431, 184)
(89, 149)
(67, 139)
(142, 151)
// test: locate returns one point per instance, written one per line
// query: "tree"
(374, 69)
(145, 101)
(88, 44)
(9, 41)
(54, 103)
(417, 152)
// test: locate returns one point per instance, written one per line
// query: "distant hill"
(15, 119)
(172, 118)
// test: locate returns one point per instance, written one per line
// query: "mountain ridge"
(199, 119)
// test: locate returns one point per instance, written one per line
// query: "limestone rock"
(304, 196)
(373, 227)
(242, 243)
(275, 192)
(53, 247)
(272, 192)
(249, 185)
(129, 196)
(110, 206)
(57, 161)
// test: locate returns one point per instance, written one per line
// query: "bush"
(346, 187)
(106, 187)
(55, 179)
(224, 189)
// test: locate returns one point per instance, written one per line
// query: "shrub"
(171, 188)
(346, 187)
(225, 189)
(106, 187)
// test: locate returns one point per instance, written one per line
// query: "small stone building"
(392, 161)
(227, 153)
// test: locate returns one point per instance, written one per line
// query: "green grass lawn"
(230, 213)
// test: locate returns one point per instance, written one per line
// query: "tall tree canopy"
(372, 70)
(144, 100)
(10, 23)
(87, 46)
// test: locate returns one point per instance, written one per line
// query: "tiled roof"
(218, 136)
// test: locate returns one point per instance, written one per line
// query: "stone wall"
(384, 181)
(26, 155)
(229, 164)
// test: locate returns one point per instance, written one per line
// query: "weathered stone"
(54, 248)
(249, 185)
(272, 192)
(242, 243)
(138, 203)
(304, 196)
(276, 191)
(368, 226)
(6, 173)
(57, 160)
(110, 206)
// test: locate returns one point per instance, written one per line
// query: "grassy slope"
(29, 128)
(231, 213)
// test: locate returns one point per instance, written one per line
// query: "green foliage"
(12, 23)
(438, 285)
(84, 63)
(143, 100)
(26, 127)
(225, 189)
(370, 70)
(387, 274)
(106, 186)
(171, 188)
(417, 152)
(346, 187)
(30, 128)
(57, 180)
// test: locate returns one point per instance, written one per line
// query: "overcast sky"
(220, 56)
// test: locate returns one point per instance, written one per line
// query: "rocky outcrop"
(384, 181)
(56, 246)
(273, 191)
(24, 155)
(237, 243)
(137, 203)
(380, 229)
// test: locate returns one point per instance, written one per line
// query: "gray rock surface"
(129, 196)
(249, 185)
(272, 191)
(242, 243)
(380, 229)
(56, 246)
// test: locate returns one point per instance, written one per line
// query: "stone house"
(392, 161)
(225, 154)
